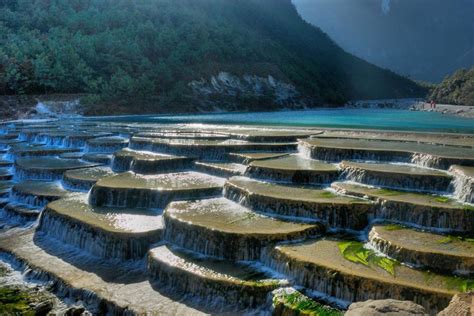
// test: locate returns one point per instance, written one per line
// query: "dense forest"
(456, 89)
(423, 39)
(122, 50)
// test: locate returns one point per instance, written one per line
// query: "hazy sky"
(423, 39)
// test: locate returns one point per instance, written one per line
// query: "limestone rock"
(384, 307)
(460, 305)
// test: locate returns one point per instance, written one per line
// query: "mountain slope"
(247, 54)
(456, 89)
(423, 39)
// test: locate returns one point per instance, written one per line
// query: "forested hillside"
(456, 89)
(182, 52)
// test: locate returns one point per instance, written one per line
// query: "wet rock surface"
(132, 218)
(385, 307)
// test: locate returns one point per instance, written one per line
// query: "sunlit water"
(337, 118)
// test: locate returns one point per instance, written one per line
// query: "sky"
(421, 39)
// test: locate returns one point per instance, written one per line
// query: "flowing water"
(335, 118)
(179, 216)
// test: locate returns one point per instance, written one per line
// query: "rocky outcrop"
(460, 305)
(226, 85)
(385, 307)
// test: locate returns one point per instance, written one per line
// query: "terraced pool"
(131, 216)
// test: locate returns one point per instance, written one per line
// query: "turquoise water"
(339, 118)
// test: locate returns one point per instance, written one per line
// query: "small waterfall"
(100, 243)
(394, 180)
(146, 198)
(220, 293)
(123, 163)
(292, 176)
(348, 287)
(334, 216)
(31, 199)
(37, 174)
(425, 216)
(431, 261)
(92, 301)
(338, 154)
(76, 184)
(462, 185)
(222, 244)
(427, 160)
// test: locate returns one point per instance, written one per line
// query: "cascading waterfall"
(463, 186)
(334, 216)
(406, 182)
(94, 240)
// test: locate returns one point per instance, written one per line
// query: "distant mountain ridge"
(423, 39)
(196, 55)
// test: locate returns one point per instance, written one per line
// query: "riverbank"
(458, 110)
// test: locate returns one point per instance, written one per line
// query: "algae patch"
(303, 305)
(354, 251)
(14, 301)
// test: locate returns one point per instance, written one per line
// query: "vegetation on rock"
(456, 89)
(356, 252)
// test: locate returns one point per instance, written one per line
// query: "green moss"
(327, 195)
(304, 305)
(468, 208)
(388, 192)
(392, 227)
(14, 302)
(460, 284)
(449, 239)
(442, 199)
(263, 283)
(354, 251)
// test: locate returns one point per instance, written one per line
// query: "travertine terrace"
(173, 219)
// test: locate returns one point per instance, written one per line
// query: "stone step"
(293, 169)
(463, 183)
(83, 179)
(22, 212)
(72, 139)
(108, 144)
(6, 163)
(272, 135)
(414, 209)
(38, 151)
(224, 229)
(397, 176)
(445, 254)
(212, 281)
(5, 187)
(98, 158)
(183, 135)
(104, 232)
(74, 155)
(37, 193)
(206, 149)
(221, 169)
(144, 162)
(153, 191)
(47, 168)
(425, 155)
(246, 158)
(460, 140)
(300, 203)
(347, 271)
(6, 174)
